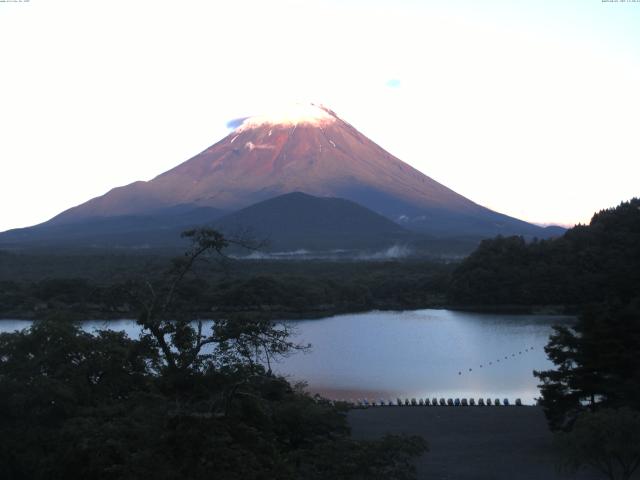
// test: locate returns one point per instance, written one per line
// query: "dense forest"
(589, 263)
(165, 405)
(591, 397)
(179, 402)
(98, 287)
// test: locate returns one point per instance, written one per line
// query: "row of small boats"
(438, 402)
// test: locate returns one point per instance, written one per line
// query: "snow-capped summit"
(304, 148)
(289, 115)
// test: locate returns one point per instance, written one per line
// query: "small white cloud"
(236, 122)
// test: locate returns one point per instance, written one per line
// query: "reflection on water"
(422, 353)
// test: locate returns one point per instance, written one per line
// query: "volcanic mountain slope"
(308, 149)
(158, 228)
(297, 220)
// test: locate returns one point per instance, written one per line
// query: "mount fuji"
(307, 148)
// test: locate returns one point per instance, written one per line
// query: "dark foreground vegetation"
(181, 403)
(177, 403)
(103, 406)
(592, 397)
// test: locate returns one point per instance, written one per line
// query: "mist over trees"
(178, 402)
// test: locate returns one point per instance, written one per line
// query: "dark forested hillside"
(297, 220)
(590, 263)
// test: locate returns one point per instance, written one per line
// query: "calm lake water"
(421, 353)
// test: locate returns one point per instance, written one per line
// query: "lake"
(420, 353)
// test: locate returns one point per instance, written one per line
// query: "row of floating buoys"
(435, 402)
(506, 357)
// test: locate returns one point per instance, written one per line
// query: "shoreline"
(268, 312)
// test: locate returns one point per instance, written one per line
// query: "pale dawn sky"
(528, 107)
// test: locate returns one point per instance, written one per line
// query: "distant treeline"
(588, 264)
(594, 386)
(276, 289)
(180, 401)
